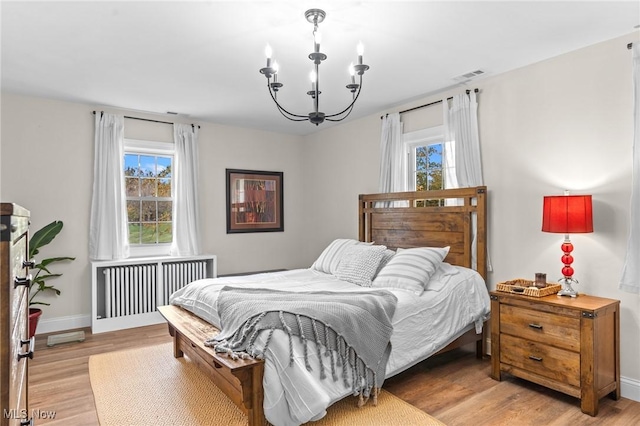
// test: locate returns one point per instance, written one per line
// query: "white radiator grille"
(127, 293)
(178, 274)
(130, 289)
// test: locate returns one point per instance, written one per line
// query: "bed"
(454, 305)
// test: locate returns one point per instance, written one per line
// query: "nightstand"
(568, 344)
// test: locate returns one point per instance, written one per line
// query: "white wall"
(47, 166)
(565, 123)
(340, 163)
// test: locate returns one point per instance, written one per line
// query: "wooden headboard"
(427, 219)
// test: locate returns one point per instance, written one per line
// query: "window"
(427, 163)
(148, 185)
(426, 166)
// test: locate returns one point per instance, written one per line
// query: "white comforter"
(456, 300)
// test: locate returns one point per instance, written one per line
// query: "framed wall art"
(254, 201)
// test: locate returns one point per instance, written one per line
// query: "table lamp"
(567, 214)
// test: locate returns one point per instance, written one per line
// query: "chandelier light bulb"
(352, 73)
(313, 77)
(268, 52)
(360, 52)
(317, 39)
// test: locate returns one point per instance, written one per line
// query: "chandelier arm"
(282, 110)
(292, 119)
(349, 106)
(341, 118)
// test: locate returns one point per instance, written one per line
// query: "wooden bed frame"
(412, 222)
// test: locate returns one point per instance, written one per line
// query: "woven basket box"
(526, 288)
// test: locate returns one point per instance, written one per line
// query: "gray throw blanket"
(353, 329)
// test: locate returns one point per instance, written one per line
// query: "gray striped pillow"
(329, 259)
(411, 269)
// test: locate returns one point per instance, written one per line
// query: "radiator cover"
(126, 293)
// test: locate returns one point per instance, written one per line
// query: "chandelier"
(315, 16)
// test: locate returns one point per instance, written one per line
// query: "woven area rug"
(148, 386)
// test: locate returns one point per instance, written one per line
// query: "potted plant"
(39, 281)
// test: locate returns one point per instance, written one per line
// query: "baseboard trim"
(72, 322)
(630, 388)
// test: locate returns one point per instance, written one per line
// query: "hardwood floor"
(59, 375)
(455, 388)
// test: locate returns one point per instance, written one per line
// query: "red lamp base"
(567, 271)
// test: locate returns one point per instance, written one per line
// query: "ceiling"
(201, 59)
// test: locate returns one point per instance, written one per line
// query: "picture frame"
(254, 201)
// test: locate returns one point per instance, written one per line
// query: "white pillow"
(329, 259)
(359, 264)
(411, 269)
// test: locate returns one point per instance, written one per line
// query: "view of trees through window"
(429, 174)
(149, 202)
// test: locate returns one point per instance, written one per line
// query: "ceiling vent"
(469, 75)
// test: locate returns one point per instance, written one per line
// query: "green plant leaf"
(43, 278)
(44, 236)
(50, 288)
(46, 262)
(39, 239)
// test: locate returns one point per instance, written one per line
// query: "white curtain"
(462, 150)
(393, 161)
(186, 221)
(461, 133)
(631, 271)
(108, 235)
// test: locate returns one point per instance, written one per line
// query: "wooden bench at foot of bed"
(240, 380)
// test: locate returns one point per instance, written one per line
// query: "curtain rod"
(429, 104)
(145, 119)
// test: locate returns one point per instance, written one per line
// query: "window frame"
(155, 148)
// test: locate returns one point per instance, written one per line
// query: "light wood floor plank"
(455, 388)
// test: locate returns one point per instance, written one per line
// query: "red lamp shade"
(567, 214)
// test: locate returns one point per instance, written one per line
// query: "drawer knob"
(26, 354)
(536, 326)
(28, 264)
(535, 358)
(27, 422)
(32, 343)
(25, 281)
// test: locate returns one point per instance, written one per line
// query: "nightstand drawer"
(551, 329)
(554, 363)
